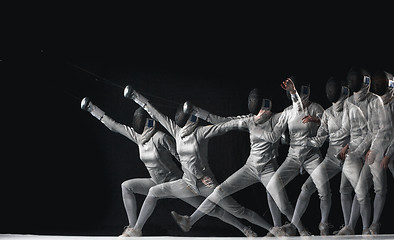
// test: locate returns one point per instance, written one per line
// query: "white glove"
(88, 106)
(129, 92)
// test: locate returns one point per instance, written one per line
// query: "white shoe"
(337, 231)
(346, 230)
(304, 233)
(248, 232)
(289, 229)
(366, 231)
(324, 229)
(374, 228)
(182, 221)
(276, 232)
(131, 232)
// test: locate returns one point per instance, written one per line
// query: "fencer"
(156, 150)
(198, 179)
(383, 83)
(378, 136)
(302, 119)
(259, 167)
(330, 123)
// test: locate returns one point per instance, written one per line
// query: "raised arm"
(288, 85)
(122, 129)
(165, 121)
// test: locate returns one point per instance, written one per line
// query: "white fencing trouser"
(326, 170)
(352, 170)
(244, 177)
(377, 175)
(299, 156)
(129, 189)
(180, 189)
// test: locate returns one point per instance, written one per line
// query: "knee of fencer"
(217, 195)
(126, 188)
(363, 198)
(217, 212)
(325, 196)
(346, 195)
(325, 192)
(380, 191)
(274, 185)
(241, 213)
(346, 190)
(307, 190)
(152, 192)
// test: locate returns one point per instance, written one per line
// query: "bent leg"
(276, 186)
(236, 182)
(265, 177)
(129, 189)
(173, 189)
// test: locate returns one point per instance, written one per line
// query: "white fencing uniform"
(377, 140)
(300, 156)
(331, 123)
(259, 167)
(156, 150)
(192, 147)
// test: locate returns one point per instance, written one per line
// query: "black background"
(62, 169)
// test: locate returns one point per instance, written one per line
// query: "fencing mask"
(333, 89)
(181, 117)
(139, 120)
(255, 101)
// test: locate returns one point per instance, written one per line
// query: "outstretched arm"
(207, 116)
(210, 131)
(122, 129)
(165, 121)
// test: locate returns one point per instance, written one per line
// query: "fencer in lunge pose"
(302, 119)
(332, 164)
(198, 181)
(259, 167)
(371, 148)
(156, 150)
